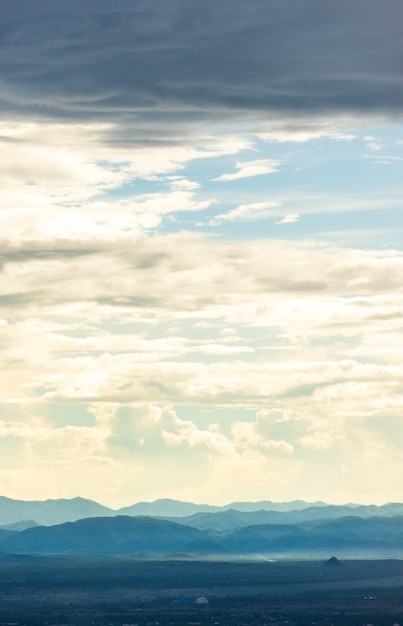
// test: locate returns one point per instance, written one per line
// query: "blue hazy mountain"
(19, 514)
(5, 534)
(152, 537)
(166, 507)
(352, 536)
(108, 535)
(48, 512)
(18, 526)
(174, 508)
(231, 518)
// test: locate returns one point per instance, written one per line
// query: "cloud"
(186, 432)
(66, 180)
(291, 218)
(304, 128)
(247, 212)
(169, 273)
(246, 434)
(247, 169)
(373, 143)
(383, 159)
(266, 56)
(156, 356)
(317, 441)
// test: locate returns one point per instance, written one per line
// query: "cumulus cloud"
(246, 434)
(317, 441)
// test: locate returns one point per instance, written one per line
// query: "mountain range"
(151, 537)
(169, 528)
(48, 512)
(16, 513)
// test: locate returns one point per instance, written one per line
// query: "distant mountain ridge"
(17, 514)
(48, 512)
(165, 507)
(230, 518)
(169, 528)
(174, 508)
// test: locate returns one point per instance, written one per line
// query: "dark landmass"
(333, 562)
(119, 590)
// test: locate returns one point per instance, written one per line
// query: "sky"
(201, 291)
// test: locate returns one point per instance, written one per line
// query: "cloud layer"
(153, 59)
(302, 336)
(200, 249)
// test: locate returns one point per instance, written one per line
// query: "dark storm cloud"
(184, 58)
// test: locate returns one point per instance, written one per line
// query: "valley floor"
(106, 591)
